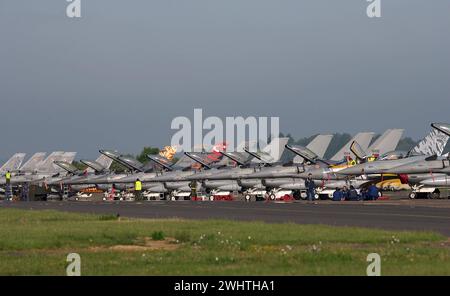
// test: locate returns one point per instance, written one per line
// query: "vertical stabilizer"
(363, 139)
(434, 143)
(13, 163)
(386, 142)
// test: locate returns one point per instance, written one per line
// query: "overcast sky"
(118, 76)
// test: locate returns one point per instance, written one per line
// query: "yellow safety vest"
(138, 186)
(8, 176)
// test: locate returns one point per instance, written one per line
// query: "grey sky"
(117, 77)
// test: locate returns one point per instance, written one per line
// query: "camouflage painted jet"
(431, 172)
(433, 144)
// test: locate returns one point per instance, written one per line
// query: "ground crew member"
(8, 193)
(353, 194)
(345, 193)
(8, 177)
(137, 189)
(338, 195)
(310, 188)
(372, 192)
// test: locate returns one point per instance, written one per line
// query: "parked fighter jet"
(430, 172)
(80, 179)
(317, 166)
(44, 169)
(234, 179)
(432, 144)
(322, 171)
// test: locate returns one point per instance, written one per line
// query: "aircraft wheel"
(303, 196)
(211, 198)
(247, 197)
(316, 196)
(173, 198)
(412, 195)
(272, 196)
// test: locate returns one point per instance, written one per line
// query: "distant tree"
(406, 144)
(79, 165)
(142, 157)
(339, 140)
(117, 167)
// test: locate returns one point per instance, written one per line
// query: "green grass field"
(37, 243)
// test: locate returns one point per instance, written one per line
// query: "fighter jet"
(80, 179)
(315, 165)
(175, 178)
(433, 144)
(44, 169)
(430, 171)
(322, 171)
(235, 179)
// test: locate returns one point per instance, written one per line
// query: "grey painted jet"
(78, 179)
(46, 168)
(235, 179)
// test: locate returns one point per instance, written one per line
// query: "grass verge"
(37, 243)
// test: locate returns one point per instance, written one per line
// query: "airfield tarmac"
(428, 215)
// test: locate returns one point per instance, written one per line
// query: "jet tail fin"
(32, 163)
(47, 165)
(320, 144)
(434, 143)
(102, 163)
(386, 142)
(363, 140)
(13, 163)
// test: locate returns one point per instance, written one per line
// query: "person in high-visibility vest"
(8, 177)
(8, 192)
(137, 189)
